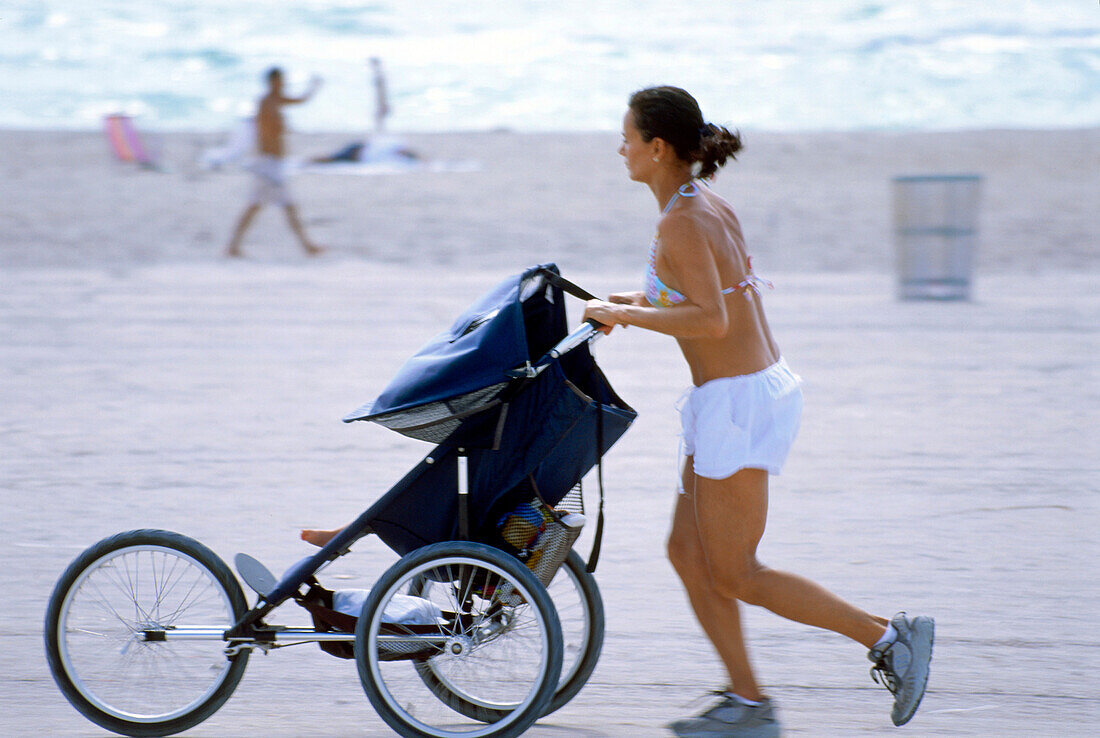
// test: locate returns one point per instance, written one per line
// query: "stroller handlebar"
(587, 331)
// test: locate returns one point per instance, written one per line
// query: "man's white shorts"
(269, 182)
(744, 422)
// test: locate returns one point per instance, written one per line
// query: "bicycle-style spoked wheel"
(480, 622)
(109, 628)
(579, 606)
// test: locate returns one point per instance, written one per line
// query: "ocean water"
(564, 65)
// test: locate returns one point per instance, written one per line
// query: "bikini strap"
(671, 201)
(753, 283)
(688, 189)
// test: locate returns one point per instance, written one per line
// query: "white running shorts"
(744, 422)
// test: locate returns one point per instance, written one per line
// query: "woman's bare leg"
(719, 616)
(730, 515)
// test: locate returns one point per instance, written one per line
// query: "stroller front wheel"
(105, 627)
(483, 625)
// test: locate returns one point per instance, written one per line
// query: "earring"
(656, 158)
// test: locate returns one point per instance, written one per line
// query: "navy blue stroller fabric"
(473, 390)
(553, 436)
(463, 370)
(523, 435)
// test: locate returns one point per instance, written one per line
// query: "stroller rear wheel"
(105, 628)
(484, 626)
(580, 610)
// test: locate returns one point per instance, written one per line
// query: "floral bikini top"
(660, 294)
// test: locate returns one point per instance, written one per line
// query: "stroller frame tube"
(586, 331)
(463, 496)
(277, 636)
(282, 636)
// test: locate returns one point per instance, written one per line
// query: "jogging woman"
(738, 420)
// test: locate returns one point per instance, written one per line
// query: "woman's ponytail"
(716, 145)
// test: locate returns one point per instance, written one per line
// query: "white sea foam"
(568, 65)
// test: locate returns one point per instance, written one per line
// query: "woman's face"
(637, 152)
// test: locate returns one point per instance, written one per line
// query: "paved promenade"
(949, 464)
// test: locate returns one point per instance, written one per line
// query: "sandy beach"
(947, 462)
(807, 202)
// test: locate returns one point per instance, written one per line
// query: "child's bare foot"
(319, 537)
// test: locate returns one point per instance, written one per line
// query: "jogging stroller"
(148, 632)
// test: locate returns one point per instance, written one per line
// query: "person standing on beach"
(381, 97)
(738, 420)
(270, 173)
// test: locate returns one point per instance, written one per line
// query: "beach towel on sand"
(381, 155)
(125, 142)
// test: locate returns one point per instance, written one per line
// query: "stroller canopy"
(462, 371)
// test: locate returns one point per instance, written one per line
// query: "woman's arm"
(686, 255)
(628, 298)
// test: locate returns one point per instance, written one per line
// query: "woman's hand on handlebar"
(608, 314)
(602, 312)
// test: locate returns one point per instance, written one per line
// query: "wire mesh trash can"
(936, 233)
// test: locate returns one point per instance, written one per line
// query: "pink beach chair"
(125, 141)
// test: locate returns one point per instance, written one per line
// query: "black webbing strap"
(595, 555)
(561, 282)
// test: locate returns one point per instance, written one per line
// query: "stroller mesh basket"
(541, 536)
